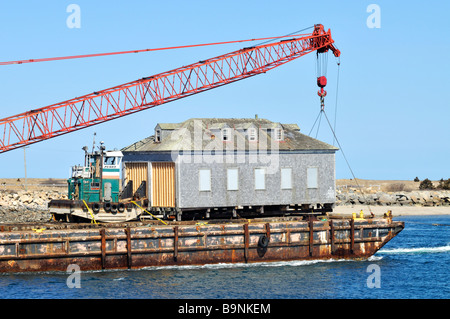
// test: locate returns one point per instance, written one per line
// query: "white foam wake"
(416, 250)
(294, 263)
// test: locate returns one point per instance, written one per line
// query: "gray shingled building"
(232, 166)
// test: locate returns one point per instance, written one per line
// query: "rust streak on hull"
(149, 244)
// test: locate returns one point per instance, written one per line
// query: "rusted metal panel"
(246, 242)
(311, 238)
(352, 235)
(267, 226)
(175, 243)
(103, 246)
(332, 238)
(184, 243)
(128, 246)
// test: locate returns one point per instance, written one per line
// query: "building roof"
(205, 134)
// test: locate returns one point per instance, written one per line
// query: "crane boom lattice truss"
(98, 107)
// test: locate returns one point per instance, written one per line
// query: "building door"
(163, 184)
(136, 172)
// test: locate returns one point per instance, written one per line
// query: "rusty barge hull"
(50, 247)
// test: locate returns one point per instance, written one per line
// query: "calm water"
(415, 265)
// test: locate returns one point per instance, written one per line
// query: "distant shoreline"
(32, 197)
(379, 211)
(403, 198)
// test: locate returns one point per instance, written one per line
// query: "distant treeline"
(427, 184)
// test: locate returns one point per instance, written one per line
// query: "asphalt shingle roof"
(184, 136)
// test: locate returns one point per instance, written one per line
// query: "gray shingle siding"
(188, 194)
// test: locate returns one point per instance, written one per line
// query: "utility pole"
(25, 165)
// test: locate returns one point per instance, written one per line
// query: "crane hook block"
(322, 81)
(322, 93)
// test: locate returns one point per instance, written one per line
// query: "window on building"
(312, 175)
(158, 136)
(286, 178)
(232, 179)
(260, 178)
(278, 134)
(204, 180)
(252, 134)
(226, 134)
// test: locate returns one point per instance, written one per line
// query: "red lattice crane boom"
(98, 107)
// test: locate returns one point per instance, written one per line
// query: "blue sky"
(392, 107)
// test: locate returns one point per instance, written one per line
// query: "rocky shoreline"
(27, 206)
(424, 198)
(20, 206)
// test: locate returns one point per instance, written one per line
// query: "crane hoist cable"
(322, 62)
(336, 101)
(345, 158)
(267, 40)
(321, 69)
(321, 74)
(322, 93)
(287, 35)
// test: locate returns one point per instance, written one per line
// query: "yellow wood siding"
(163, 184)
(136, 172)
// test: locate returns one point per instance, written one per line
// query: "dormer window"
(252, 134)
(278, 134)
(226, 134)
(158, 136)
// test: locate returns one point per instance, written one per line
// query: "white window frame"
(286, 177)
(257, 181)
(252, 134)
(232, 180)
(204, 181)
(312, 177)
(278, 134)
(226, 134)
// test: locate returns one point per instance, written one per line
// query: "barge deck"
(55, 246)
